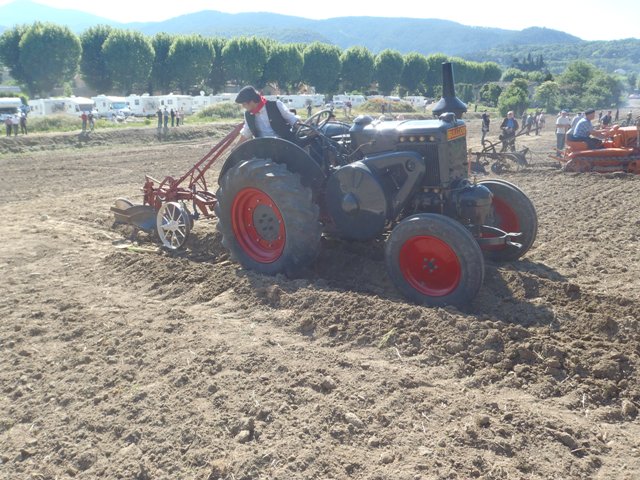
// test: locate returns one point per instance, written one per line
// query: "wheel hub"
(266, 222)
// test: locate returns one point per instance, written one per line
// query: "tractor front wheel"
(434, 260)
(511, 212)
(267, 218)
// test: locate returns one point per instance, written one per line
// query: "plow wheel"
(434, 260)
(173, 224)
(267, 218)
(511, 212)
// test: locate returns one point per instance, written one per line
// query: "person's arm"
(288, 116)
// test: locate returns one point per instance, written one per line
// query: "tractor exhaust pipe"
(449, 102)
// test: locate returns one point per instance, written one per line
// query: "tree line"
(43, 56)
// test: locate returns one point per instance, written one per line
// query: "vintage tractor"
(620, 152)
(405, 180)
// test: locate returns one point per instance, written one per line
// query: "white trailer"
(9, 106)
(77, 105)
(47, 106)
(108, 106)
(177, 102)
(354, 99)
(202, 101)
(144, 105)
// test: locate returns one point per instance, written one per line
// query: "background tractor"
(405, 180)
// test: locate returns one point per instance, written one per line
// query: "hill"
(406, 35)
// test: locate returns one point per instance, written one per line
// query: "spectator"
(84, 118)
(617, 115)
(8, 125)
(584, 131)
(309, 110)
(530, 122)
(23, 123)
(15, 123)
(575, 120)
(159, 115)
(92, 121)
(264, 118)
(563, 123)
(629, 118)
(509, 128)
(348, 105)
(539, 122)
(606, 120)
(486, 121)
(165, 116)
(173, 118)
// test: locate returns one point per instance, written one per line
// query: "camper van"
(77, 105)
(202, 101)
(298, 102)
(144, 105)
(177, 102)
(354, 99)
(68, 106)
(109, 106)
(9, 106)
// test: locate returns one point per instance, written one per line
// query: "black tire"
(434, 260)
(512, 212)
(268, 220)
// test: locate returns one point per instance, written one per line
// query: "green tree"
(433, 76)
(492, 72)
(357, 69)
(510, 74)
(189, 62)
(49, 57)
(515, 97)
(414, 73)
(547, 96)
(321, 67)
(387, 70)
(10, 51)
(160, 75)
(490, 93)
(129, 57)
(244, 59)
(92, 66)
(284, 66)
(217, 77)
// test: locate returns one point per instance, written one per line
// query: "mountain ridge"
(425, 36)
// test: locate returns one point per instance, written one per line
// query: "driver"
(264, 118)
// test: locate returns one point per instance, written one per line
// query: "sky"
(595, 19)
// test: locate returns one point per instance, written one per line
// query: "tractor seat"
(576, 146)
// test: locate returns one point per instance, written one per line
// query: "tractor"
(402, 180)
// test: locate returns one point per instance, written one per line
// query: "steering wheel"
(320, 119)
(305, 131)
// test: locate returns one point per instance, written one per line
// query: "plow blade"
(140, 216)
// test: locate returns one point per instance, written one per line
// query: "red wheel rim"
(505, 219)
(258, 225)
(430, 266)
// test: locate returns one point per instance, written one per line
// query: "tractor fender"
(280, 151)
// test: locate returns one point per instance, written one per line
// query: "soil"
(121, 360)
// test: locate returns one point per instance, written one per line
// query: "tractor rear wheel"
(434, 260)
(267, 218)
(511, 212)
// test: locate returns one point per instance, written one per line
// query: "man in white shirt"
(264, 118)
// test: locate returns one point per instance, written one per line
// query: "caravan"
(69, 106)
(9, 106)
(77, 105)
(108, 106)
(144, 105)
(202, 101)
(177, 102)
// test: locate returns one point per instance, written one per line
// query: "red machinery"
(164, 206)
(620, 153)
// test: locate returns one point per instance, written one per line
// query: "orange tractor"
(620, 152)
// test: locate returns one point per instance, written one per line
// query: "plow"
(171, 206)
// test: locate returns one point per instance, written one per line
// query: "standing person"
(264, 118)
(563, 123)
(159, 115)
(617, 115)
(629, 118)
(509, 128)
(84, 117)
(8, 125)
(23, 123)
(529, 123)
(606, 120)
(92, 121)
(309, 110)
(348, 105)
(584, 131)
(575, 120)
(15, 123)
(173, 118)
(165, 116)
(486, 121)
